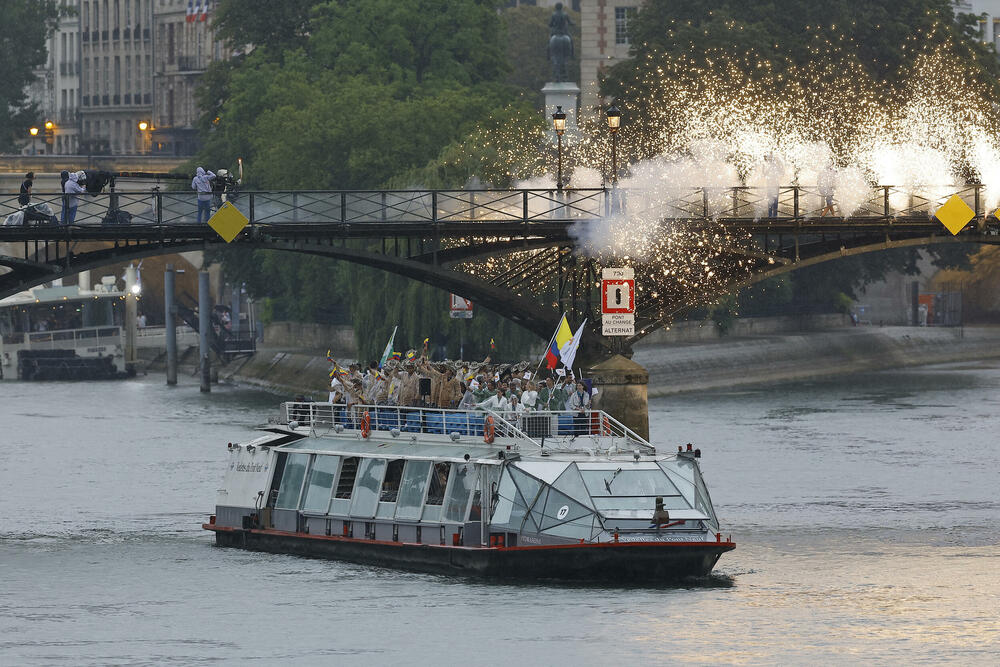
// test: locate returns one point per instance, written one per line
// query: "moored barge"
(575, 496)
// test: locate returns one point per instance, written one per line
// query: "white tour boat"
(64, 332)
(539, 495)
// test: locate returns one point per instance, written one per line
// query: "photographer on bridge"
(202, 183)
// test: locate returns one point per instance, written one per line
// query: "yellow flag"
(564, 334)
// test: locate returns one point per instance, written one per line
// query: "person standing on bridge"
(827, 182)
(773, 172)
(71, 189)
(202, 182)
(24, 198)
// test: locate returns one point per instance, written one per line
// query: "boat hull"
(617, 561)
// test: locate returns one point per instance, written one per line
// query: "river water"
(865, 511)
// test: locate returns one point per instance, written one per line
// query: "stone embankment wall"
(688, 357)
(800, 356)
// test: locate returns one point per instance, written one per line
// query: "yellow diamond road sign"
(228, 222)
(955, 214)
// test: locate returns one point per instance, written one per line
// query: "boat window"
(320, 483)
(510, 507)
(439, 482)
(348, 471)
(564, 517)
(458, 494)
(97, 313)
(366, 488)
(702, 501)
(411, 489)
(611, 503)
(624, 482)
(291, 481)
(390, 485)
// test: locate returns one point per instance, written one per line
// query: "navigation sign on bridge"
(618, 302)
(461, 308)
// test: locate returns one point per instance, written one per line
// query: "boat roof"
(396, 449)
(60, 293)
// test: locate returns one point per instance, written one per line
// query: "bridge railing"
(526, 206)
(319, 207)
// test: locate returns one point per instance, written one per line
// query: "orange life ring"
(605, 426)
(366, 425)
(488, 430)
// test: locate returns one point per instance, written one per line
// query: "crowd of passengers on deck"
(510, 389)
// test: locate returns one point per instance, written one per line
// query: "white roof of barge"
(397, 449)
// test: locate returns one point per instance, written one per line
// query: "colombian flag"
(563, 335)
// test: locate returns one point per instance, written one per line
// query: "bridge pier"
(204, 322)
(170, 328)
(622, 391)
(131, 313)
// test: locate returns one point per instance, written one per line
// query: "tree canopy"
(358, 94)
(25, 27)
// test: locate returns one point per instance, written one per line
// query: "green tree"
(262, 24)
(359, 94)
(25, 26)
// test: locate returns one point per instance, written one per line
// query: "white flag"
(568, 351)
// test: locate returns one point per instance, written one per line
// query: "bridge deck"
(742, 208)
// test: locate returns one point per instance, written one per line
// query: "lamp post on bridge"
(559, 123)
(34, 136)
(614, 122)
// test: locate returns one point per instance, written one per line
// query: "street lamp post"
(144, 127)
(50, 133)
(614, 122)
(34, 136)
(559, 123)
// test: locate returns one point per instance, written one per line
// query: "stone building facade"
(603, 42)
(183, 50)
(116, 74)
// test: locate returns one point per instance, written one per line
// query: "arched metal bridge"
(521, 253)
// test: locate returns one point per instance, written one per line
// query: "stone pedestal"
(565, 94)
(623, 392)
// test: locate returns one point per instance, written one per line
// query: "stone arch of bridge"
(525, 311)
(789, 266)
(522, 310)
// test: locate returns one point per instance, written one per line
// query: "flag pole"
(551, 338)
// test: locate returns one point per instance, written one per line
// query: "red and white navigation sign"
(618, 302)
(461, 308)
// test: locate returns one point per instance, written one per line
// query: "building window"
(622, 15)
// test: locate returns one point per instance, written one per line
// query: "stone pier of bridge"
(622, 391)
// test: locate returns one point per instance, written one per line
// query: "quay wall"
(801, 356)
(691, 364)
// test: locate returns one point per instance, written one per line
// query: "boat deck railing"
(552, 430)
(51, 339)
